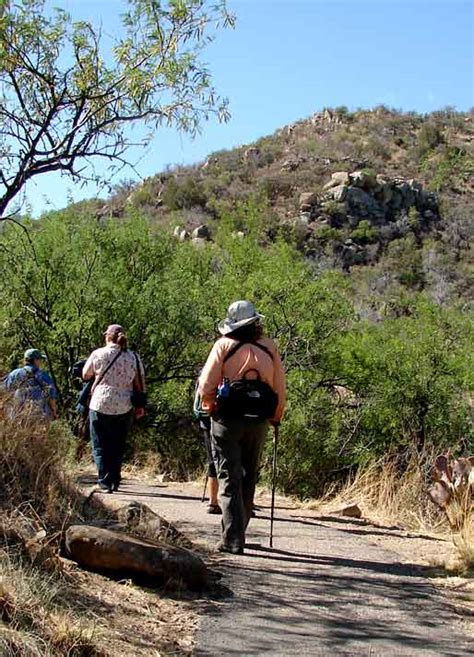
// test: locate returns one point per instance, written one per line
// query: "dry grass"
(464, 542)
(48, 606)
(389, 496)
(37, 500)
(35, 465)
(35, 619)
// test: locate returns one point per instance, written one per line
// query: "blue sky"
(286, 59)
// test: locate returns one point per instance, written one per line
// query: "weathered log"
(151, 562)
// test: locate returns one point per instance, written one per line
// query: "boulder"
(290, 165)
(339, 193)
(139, 518)
(349, 510)
(307, 201)
(305, 218)
(252, 156)
(150, 562)
(201, 232)
(363, 204)
(363, 179)
(337, 178)
(383, 191)
(180, 234)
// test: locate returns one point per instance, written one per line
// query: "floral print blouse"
(113, 394)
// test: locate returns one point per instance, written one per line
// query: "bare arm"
(88, 370)
(210, 378)
(54, 408)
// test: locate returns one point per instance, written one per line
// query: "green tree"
(411, 375)
(67, 102)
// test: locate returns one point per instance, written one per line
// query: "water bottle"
(224, 388)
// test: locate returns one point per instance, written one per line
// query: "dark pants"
(108, 436)
(238, 447)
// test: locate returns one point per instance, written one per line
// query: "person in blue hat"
(33, 389)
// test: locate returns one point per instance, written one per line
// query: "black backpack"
(246, 399)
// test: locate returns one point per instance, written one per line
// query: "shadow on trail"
(346, 606)
(398, 569)
(137, 494)
(370, 531)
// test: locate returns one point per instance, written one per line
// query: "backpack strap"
(236, 348)
(101, 376)
(32, 376)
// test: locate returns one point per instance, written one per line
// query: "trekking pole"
(205, 488)
(274, 470)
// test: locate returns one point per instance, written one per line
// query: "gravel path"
(321, 590)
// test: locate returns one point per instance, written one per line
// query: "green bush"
(182, 194)
(429, 137)
(404, 258)
(364, 233)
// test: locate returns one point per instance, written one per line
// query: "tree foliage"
(404, 380)
(69, 94)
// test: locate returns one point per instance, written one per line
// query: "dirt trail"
(321, 590)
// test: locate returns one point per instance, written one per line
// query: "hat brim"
(226, 326)
(39, 356)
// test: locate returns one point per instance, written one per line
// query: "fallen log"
(149, 562)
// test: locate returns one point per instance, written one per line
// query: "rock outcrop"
(252, 156)
(368, 196)
(364, 211)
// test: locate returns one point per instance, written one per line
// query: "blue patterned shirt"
(32, 386)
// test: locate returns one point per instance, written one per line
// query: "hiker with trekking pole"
(242, 387)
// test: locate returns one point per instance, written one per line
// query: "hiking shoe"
(105, 488)
(214, 509)
(232, 549)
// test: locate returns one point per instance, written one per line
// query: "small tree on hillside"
(69, 95)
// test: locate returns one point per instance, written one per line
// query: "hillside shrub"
(429, 137)
(405, 259)
(182, 194)
(364, 233)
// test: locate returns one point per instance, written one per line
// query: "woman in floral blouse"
(115, 369)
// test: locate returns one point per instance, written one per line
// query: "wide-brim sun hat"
(239, 314)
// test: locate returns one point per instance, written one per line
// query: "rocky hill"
(382, 188)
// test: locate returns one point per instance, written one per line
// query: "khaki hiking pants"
(237, 448)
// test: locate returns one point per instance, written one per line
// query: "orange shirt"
(246, 358)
